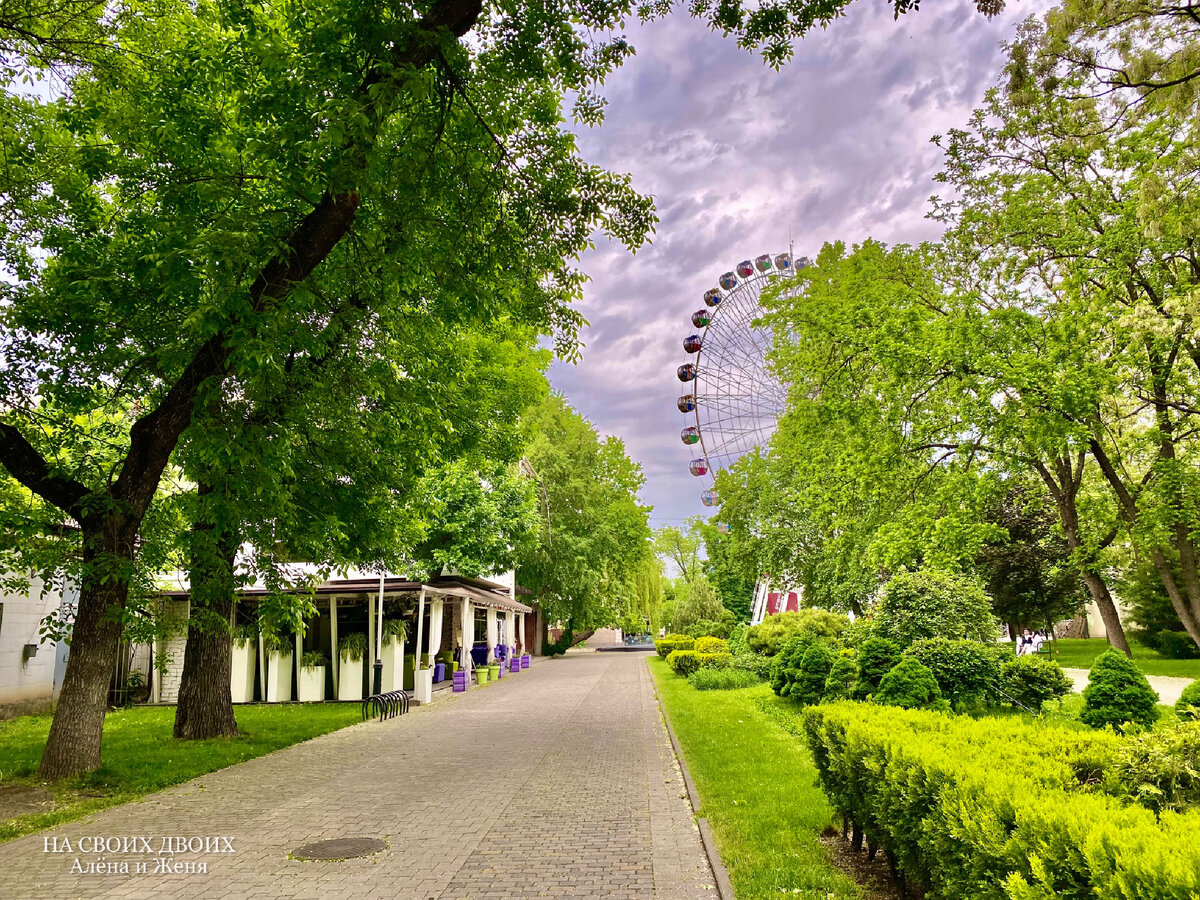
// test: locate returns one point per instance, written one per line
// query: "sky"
(739, 158)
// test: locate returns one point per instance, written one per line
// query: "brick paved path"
(557, 782)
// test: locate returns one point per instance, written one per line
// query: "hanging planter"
(311, 685)
(352, 651)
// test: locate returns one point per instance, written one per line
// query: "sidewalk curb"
(720, 873)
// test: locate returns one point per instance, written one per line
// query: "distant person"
(1025, 644)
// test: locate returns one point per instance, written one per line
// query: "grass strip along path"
(758, 790)
(141, 756)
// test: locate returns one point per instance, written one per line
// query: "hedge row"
(685, 662)
(668, 644)
(997, 809)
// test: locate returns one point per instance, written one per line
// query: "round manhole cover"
(340, 848)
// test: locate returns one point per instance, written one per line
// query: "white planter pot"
(311, 688)
(350, 679)
(393, 665)
(241, 673)
(279, 677)
(424, 685)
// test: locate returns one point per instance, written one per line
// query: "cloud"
(741, 159)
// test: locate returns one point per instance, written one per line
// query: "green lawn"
(140, 756)
(1080, 653)
(757, 787)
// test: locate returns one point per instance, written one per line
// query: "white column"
(296, 662)
(334, 659)
(420, 630)
(368, 657)
(435, 629)
(468, 634)
(491, 634)
(521, 627)
(262, 668)
(379, 622)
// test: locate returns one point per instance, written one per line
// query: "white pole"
(420, 630)
(468, 634)
(379, 630)
(262, 668)
(334, 659)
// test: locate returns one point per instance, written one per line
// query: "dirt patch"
(875, 878)
(24, 799)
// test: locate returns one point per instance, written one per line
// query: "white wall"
(27, 682)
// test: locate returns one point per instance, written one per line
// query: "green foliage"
(685, 662)
(276, 642)
(395, 627)
(1031, 681)
(353, 646)
(993, 809)
(1174, 644)
(714, 679)
(1117, 693)
(711, 645)
(909, 685)
(769, 636)
(720, 628)
(1159, 769)
(876, 657)
(808, 686)
(666, 644)
(785, 665)
(313, 659)
(842, 677)
(1188, 704)
(965, 670)
(245, 634)
(932, 604)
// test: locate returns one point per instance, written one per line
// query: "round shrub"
(785, 664)
(842, 675)
(876, 657)
(667, 644)
(683, 662)
(1188, 704)
(809, 685)
(772, 633)
(1032, 680)
(708, 679)
(930, 604)
(965, 670)
(909, 685)
(1118, 693)
(715, 660)
(711, 645)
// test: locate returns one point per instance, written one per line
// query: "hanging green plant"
(313, 659)
(274, 642)
(354, 646)
(396, 628)
(245, 634)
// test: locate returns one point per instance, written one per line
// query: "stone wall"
(27, 684)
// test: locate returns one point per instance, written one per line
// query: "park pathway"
(1167, 687)
(557, 782)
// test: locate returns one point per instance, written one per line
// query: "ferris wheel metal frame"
(729, 424)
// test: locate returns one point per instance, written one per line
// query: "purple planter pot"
(460, 681)
(515, 665)
(525, 661)
(439, 672)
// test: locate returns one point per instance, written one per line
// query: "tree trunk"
(205, 706)
(1108, 611)
(73, 746)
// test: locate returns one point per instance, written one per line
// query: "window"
(480, 626)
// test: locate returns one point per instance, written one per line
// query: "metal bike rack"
(385, 705)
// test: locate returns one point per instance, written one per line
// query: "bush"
(1032, 680)
(667, 644)
(932, 604)
(965, 670)
(785, 665)
(1118, 693)
(876, 657)
(737, 639)
(1188, 704)
(717, 628)
(842, 676)
(685, 662)
(909, 685)
(809, 685)
(1176, 645)
(758, 666)
(711, 645)
(993, 809)
(708, 679)
(772, 633)
(1159, 769)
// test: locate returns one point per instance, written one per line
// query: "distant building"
(31, 671)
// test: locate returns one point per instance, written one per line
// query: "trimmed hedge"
(1117, 693)
(1032, 680)
(994, 809)
(709, 644)
(668, 644)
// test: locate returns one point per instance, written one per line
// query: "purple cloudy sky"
(737, 156)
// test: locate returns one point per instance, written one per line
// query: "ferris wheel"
(734, 401)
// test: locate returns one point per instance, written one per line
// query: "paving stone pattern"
(557, 782)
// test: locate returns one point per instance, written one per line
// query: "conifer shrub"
(711, 645)
(876, 657)
(809, 684)
(1188, 704)
(994, 809)
(770, 635)
(1032, 680)
(842, 676)
(785, 665)
(965, 671)
(909, 685)
(667, 644)
(1117, 693)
